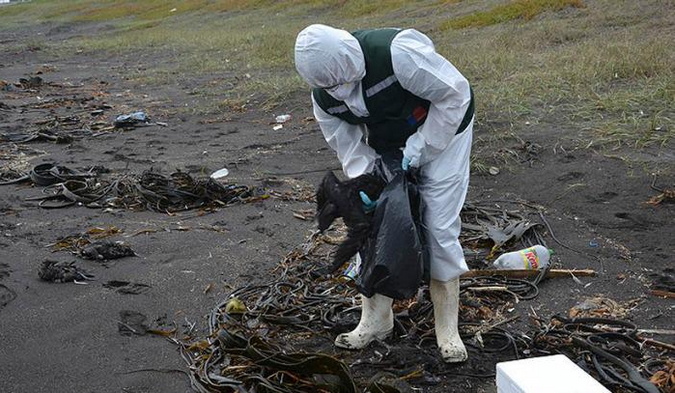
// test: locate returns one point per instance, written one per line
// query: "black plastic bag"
(394, 260)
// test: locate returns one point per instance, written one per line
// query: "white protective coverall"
(327, 57)
(332, 59)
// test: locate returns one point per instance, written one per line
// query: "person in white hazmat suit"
(385, 89)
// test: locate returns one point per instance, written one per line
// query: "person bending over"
(380, 90)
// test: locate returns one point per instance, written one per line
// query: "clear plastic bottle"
(533, 258)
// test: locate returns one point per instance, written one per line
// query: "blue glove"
(405, 164)
(368, 205)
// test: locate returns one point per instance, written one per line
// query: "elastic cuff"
(413, 149)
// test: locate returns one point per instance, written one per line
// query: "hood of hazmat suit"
(329, 58)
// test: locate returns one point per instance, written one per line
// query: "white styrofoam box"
(546, 374)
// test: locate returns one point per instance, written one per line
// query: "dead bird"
(55, 271)
(32, 82)
(335, 198)
(106, 250)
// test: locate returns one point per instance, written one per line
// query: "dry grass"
(518, 9)
(602, 67)
(606, 70)
(108, 10)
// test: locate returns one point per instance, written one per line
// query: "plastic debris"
(533, 258)
(394, 262)
(493, 170)
(277, 127)
(352, 269)
(131, 120)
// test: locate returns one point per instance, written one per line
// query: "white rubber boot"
(377, 323)
(445, 296)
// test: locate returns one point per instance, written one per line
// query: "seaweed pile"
(610, 349)
(151, 190)
(176, 192)
(278, 335)
(253, 334)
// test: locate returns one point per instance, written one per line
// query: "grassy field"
(602, 69)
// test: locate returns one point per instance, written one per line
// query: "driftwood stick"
(659, 344)
(660, 293)
(666, 332)
(489, 289)
(530, 273)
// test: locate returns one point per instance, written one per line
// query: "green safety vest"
(395, 113)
